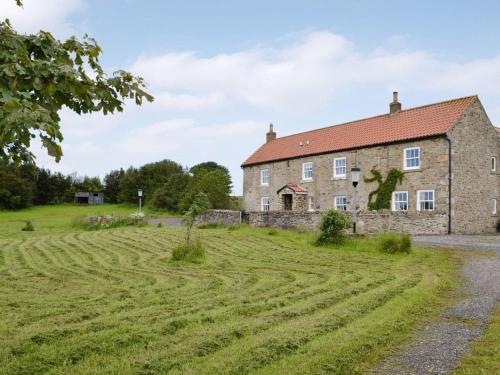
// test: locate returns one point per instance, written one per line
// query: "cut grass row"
(112, 301)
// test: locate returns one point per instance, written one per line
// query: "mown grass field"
(52, 219)
(112, 301)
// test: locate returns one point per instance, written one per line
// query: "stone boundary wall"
(368, 222)
(284, 219)
(413, 223)
(224, 217)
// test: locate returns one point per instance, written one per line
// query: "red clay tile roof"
(294, 187)
(414, 123)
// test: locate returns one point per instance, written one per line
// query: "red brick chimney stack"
(270, 135)
(395, 106)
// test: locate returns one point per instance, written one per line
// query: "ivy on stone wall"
(383, 193)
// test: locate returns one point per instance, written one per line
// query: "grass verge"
(484, 355)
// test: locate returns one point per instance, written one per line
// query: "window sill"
(339, 178)
(305, 181)
(412, 169)
(264, 185)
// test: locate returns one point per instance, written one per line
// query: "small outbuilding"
(89, 197)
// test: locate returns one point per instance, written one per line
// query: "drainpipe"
(449, 183)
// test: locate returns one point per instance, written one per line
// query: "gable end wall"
(474, 142)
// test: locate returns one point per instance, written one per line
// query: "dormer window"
(411, 158)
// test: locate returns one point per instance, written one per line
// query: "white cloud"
(187, 141)
(307, 74)
(50, 15)
(188, 102)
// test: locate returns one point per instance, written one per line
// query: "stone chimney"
(270, 135)
(395, 106)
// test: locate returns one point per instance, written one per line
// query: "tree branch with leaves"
(39, 75)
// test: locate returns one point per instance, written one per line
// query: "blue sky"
(221, 71)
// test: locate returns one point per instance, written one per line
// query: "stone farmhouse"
(447, 154)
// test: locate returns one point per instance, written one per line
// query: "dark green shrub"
(28, 227)
(392, 242)
(140, 223)
(189, 251)
(302, 230)
(332, 227)
(210, 226)
(159, 225)
(235, 227)
(272, 232)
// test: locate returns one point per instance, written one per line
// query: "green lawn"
(483, 358)
(51, 219)
(112, 301)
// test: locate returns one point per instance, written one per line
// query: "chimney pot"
(395, 105)
(271, 134)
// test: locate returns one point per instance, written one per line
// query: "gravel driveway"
(462, 241)
(438, 347)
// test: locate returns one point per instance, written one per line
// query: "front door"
(287, 202)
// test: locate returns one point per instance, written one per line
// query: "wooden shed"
(89, 197)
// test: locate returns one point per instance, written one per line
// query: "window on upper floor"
(340, 203)
(411, 158)
(400, 201)
(307, 171)
(264, 204)
(311, 204)
(339, 168)
(493, 206)
(425, 200)
(264, 177)
(493, 164)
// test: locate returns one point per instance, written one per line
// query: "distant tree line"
(166, 185)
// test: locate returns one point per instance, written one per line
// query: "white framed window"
(411, 158)
(307, 171)
(264, 177)
(339, 168)
(264, 204)
(493, 164)
(311, 204)
(400, 201)
(493, 206)
(425, 200)
(340, 202)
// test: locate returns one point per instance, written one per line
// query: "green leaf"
(39, 75)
